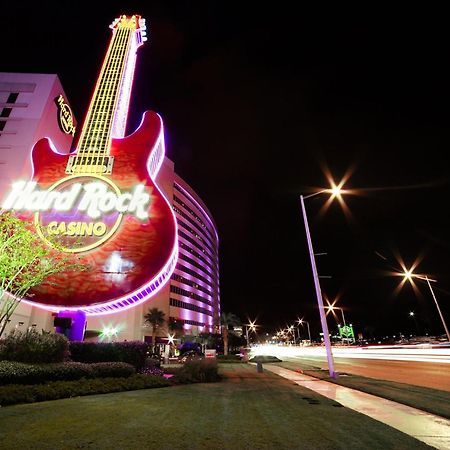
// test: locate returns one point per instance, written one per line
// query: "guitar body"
(139, 250)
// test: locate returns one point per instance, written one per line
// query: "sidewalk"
(428, 428)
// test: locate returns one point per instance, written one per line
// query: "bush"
(20, 373)
(14, 393)
(33, 347)
(197, 371)
(133, 352)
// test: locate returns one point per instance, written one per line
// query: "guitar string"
(115, 93)
(125, 48)
(102, 120)
(85, 137)
(93, 113)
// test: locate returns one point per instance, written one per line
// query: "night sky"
(258, 104)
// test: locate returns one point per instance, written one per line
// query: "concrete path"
(431, 429)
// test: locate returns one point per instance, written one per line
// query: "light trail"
(420, 353)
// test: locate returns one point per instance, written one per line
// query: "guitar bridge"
(85, 165)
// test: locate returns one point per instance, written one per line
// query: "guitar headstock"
(134, 22)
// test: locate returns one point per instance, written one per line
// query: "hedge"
(20, 373)
(131, 352)
(15, 393)
(33, 347)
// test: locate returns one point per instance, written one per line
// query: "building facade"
(35, 106)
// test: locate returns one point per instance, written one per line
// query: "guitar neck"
(108, 109)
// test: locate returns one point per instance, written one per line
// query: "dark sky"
(257, 101)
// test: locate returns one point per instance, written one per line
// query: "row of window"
(197, 255)
(186, 217)
(195, 274)
(195, 264)
(192, 213)
(192, 231)
(191, 283)
(189, 322)
(12, 97)
(192, 241)
(193, 295)
(180, 304)
(193, 201)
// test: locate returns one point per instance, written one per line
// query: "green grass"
(430, 400)
(248, 410)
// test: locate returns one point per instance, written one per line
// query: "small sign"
(65, 116)
(210, 353)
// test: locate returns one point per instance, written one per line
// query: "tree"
(155, 318)
(227, 320)
(25, 262)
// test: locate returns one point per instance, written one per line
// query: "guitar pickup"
(92, 164)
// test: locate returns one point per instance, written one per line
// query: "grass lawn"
(433, 401)
(248, 410)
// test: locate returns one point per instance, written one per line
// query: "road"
(421, 367)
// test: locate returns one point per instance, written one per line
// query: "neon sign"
(65, 116)
(102, 201)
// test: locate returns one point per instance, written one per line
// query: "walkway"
(428, 428)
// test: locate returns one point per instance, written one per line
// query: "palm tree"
(227, 320)
(155, 318)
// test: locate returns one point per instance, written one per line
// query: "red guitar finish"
(141, 249)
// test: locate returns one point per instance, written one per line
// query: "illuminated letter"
(51, 228)
(139, 201)
(19, 195)
(65, 200)
(86, 229)
(107, 202)
(90, 199)
(121, 206)
(99, 229)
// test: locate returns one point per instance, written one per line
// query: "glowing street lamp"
(408, 275)
(335, 191)
(331, 308)
(300, 322)
(252, 326)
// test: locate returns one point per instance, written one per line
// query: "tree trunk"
(225, 340)
(154, 339)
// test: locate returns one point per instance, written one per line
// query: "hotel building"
(31, 111)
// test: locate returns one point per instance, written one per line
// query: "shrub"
(197, 371)
(33, 347)
(14, 393)
(133, 352)
(20, 373)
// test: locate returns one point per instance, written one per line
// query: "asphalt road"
(427, 374)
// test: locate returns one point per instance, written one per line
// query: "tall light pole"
(300, 321)
(409, 275)
(323, 319)
(252, 326)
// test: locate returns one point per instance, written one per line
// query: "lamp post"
(252, 326)
(409, 275)
(300, 321)
(323, 319)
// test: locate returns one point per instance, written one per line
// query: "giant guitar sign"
(102, 201)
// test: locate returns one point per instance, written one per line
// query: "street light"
(335, 192)
(300, 321)
(331, 308)
(408, 275)
(252, 326)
